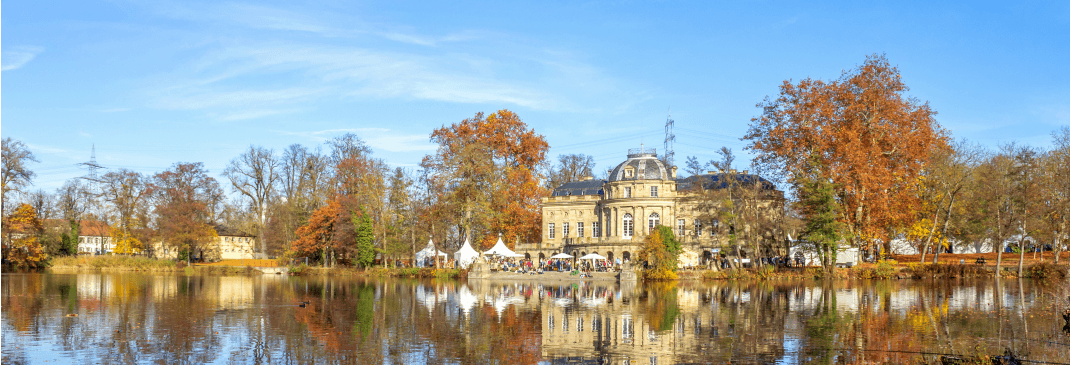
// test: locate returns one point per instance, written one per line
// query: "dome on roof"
(640, 165)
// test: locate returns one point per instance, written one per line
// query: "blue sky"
(154, 83)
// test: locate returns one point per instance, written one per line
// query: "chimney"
(713, 172)
(744, 172)
(674, 172)
(588, 177)
(731, 171)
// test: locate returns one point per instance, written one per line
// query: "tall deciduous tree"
(571, 167)
(16, 174)
(1055, 185)
(181, 197)
(317, 236)
(861, 132)
(254, 174)
(487, 170)
(126, 191)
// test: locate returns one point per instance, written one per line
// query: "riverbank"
(884, 270)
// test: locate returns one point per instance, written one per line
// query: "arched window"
(628, 225)
(653, 221)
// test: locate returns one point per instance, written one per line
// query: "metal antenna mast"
(669, 139)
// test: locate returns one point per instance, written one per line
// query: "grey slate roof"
(585, 187)
(646, 165)
(719, 181)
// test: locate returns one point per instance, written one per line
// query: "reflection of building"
(612, 217)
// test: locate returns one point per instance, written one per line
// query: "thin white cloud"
(249, 114)
(233, 76)
(379, 139)
(39, 148)
(16, 57)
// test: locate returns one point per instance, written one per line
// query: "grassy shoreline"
(880, 271)
(119, 263)
(885, 271)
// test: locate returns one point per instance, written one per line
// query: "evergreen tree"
(365, 239)
(820, 209)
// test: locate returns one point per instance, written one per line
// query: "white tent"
(688, 258)
(465, 256)
(428, 252)
(593, 256)
(499, 249)
(561, 256)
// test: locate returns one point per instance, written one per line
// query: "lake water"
(174, 319)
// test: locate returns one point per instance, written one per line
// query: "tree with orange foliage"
(317, 236)
(488, 169)
(182, 199)
(861, 134)
(22, 245)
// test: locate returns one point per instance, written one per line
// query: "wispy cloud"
(16, 57)
(379, 139)
(249, 114)
(339, 62)
(40, 148)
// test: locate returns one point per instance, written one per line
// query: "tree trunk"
(1021, 250)
(943, 232)
(928, 240)
(999, 238)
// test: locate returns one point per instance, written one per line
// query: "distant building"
(613, 217)
(94, 238)
(231, 244)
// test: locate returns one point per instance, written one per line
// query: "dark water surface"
(174, 319)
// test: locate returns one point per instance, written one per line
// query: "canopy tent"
(499, 249)
(465, 256)
(428, 252)
(561, 256)
(593, 256)
(688, 258)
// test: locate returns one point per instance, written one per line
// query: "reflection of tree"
(127, 318)
(661, 306)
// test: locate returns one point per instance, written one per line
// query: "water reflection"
(129, 318)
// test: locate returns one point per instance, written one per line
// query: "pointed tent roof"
(429, 251)
(500, 250)
(465, 255)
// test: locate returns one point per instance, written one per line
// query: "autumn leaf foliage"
(860, 133)
(487, 170)
(22, 246)
(661, 251)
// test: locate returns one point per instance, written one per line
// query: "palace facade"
(613, 217)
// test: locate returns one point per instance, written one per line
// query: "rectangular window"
(628, 192)
(579, 229)
(596, 229)
(628, 228)
(715, 224)
(550, 230)
(653, 191)
(680, 227)
(698, 227)
(564, 229)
